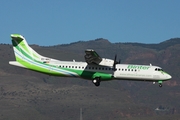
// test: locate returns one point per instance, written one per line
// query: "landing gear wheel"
(97, 84)
(160, 85)
(96, 81)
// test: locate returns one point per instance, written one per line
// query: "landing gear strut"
(160, 83)
(96, 81)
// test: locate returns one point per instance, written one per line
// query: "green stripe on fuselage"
(82, 73)
(90, 74)
(47, 69)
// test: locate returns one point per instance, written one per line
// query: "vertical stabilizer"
(22, 50)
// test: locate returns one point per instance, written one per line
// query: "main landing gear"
(96, 81)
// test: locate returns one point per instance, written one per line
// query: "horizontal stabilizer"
(16, 64)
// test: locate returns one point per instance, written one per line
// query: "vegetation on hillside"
(29, 95)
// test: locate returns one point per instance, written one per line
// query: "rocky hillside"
(29, 95)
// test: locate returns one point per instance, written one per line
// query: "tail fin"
(22, 50)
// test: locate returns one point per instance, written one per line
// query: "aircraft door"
(156, 74)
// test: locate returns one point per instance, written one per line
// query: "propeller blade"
(119, 61)
(115, 62)
(115, 57)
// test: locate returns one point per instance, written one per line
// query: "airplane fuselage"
(83, 70)
(95, 68)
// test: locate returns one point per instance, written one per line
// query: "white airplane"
(95, 68)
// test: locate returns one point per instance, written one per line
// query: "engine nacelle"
(107, 62)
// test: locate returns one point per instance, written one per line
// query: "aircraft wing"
(92, 57)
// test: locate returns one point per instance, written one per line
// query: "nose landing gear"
(160, 83)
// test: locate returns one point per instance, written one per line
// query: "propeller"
(119, 61)
(115, 62)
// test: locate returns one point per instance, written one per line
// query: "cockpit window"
(158, 69)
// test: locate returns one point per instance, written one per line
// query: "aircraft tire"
(160, 85)
(96, 81)
(97, 84)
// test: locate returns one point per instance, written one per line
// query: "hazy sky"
(52, 22)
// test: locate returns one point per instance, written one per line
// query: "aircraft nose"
(169, 77)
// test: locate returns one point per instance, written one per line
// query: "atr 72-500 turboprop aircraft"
(95, 68)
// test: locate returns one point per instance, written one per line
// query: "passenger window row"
(127, 69)
(90, 68)
(96, 68)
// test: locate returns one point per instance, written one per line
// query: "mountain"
(29, 95)
(159, 46)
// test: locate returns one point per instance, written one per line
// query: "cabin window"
(122, 69)
(102, 68)
(89, 67)
(99, 68)
(131, 69)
